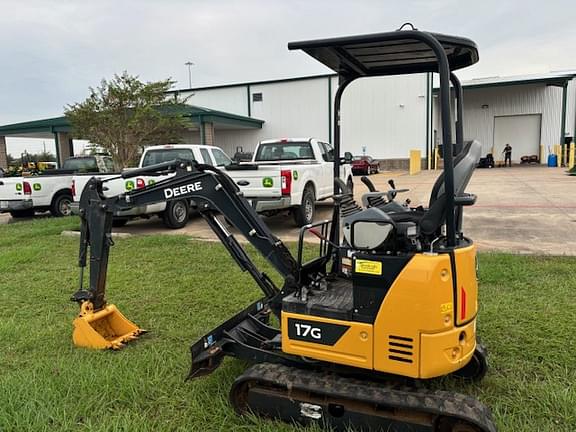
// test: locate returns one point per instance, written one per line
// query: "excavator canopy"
(391, 53)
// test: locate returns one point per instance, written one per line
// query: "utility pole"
(189, 64)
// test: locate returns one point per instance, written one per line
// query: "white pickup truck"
(175, 213)
(289, 174)
(51, 190)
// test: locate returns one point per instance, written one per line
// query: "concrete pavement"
(524, 209)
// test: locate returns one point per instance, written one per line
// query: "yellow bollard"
(571, 155)
(415, 162)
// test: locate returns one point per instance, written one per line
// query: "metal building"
(382, 117)
(532, 113)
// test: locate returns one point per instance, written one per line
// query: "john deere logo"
(18, 186)
(151, 182)
(295, 175)
(129, 185)
(37, 186)
(267, 182)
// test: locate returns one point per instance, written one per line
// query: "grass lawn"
(180, 289)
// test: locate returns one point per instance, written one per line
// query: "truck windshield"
(82, 164)
(153, 157)
(284, 150)
(220, 157)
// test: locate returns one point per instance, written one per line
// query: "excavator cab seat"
(361, 225)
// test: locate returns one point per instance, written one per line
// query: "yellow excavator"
(389, 301)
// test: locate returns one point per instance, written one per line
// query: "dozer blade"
(106, 328)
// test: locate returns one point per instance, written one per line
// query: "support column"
(561, 160)
(3, 153)
(64, 146)
(209, 133)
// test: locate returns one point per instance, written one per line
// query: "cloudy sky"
(53, 50)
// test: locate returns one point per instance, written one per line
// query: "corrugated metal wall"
(482, 105)
(386, 115)
(228, 99)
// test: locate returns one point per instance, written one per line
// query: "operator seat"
(428, 220)
(431, 219)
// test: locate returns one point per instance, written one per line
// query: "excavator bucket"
(106, 328)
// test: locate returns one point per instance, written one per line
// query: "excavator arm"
(212, 193)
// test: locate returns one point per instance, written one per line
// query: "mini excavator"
(389, 301)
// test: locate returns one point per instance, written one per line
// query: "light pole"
(189, 64)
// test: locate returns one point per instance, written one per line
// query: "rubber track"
(436, 402)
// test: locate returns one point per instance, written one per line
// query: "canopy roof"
(392, 53)
(47, 127)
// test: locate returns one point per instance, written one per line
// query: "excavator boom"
(100, 325)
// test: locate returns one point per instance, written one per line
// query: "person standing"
(507, 155)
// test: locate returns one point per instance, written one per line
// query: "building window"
(256, 97)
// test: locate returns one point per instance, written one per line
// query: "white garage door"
(522, 132)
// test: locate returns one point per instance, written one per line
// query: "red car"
(364, 165)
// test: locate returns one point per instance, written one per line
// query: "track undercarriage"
(342, 403)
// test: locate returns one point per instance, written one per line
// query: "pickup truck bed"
(288, 175)
(51, 190)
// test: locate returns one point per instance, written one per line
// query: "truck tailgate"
(11, 188)
(258, 183)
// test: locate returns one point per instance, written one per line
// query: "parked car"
(175, 213)
(50, 190)
(365, 165)
(289, 174)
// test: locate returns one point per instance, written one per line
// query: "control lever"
(369, 183)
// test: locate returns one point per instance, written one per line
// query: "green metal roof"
(558, 79)
(252, 83)
(196, 114)
(55, 124)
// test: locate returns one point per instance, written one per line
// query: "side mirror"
(347, 157)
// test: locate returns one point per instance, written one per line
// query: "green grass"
(180, 289)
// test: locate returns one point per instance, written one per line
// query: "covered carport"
(205, 124)
(57, 128)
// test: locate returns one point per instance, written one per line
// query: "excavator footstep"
(106, 328)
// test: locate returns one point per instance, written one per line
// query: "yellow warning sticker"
(446, 308)
(368, 267)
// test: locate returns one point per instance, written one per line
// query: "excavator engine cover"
(106, 328)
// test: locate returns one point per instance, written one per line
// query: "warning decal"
(368, 267)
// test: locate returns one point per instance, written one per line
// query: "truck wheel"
(22, 213)
(176, 214)
(119, 222)
(61, 205)
(304, 213)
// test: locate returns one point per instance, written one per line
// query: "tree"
(44, 156)
(125, 114)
